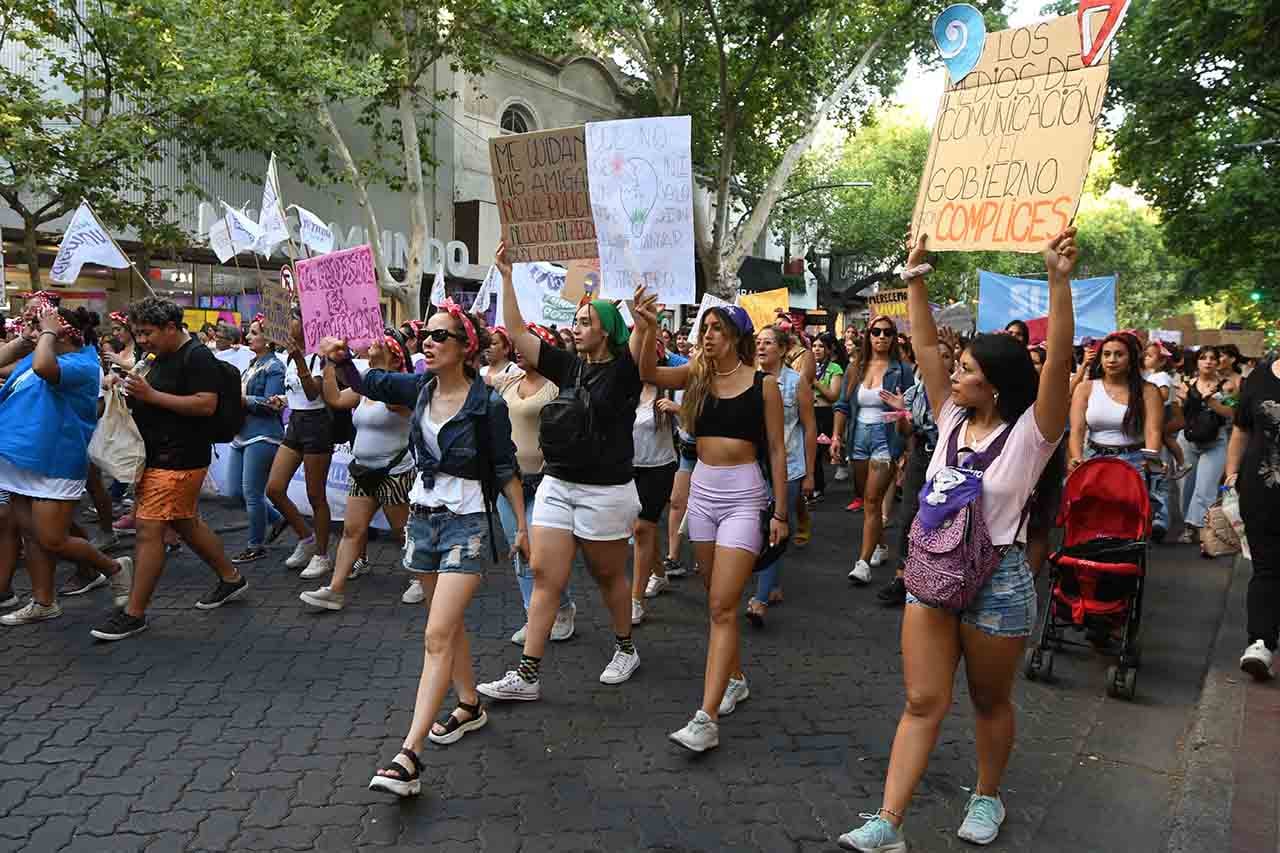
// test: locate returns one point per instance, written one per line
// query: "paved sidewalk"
(257, 726)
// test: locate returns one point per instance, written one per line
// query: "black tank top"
(740, 417)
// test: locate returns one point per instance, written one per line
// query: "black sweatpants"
(1263, 601)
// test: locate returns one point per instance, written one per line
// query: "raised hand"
(1061, 253)
(501, 261)
(334, 349)
(919, 253)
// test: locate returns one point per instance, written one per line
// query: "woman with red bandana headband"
(381, 472)
(461, 439)
(498, 364)
(737, 416)
(49, 408)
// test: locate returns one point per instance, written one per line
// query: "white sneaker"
(620, 668)
(563, 627)
(318, 567)
(733, 694)
(699, 734)
(302, 554)
(518, 637)
(324, 598)
(413, 594)
(878, 556)
(1256, 661)
(33, 612)
(637, 612)
(656, 584)
(122, 582)
(842, 473)
(11, 600)
(861, 573)
(511, 686)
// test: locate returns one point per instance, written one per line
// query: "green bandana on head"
(611, 319)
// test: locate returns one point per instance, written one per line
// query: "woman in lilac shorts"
(736, 414)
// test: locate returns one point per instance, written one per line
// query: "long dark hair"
(1134, 413)
(84, 321)
(1007, 366)
(864, 349)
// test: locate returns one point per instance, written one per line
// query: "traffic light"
(1256, 296)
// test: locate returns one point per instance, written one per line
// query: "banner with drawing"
(641, 191)
(338, 293)
(545, 294)
(1012, 141)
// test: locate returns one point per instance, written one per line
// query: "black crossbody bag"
(371, 479)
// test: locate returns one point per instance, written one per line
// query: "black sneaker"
(894, 593)
(222, 593)
(119, 626)
(276, 529)
(673, 568)
(248, 555)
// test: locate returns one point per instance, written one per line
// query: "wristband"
(47, 332)
(916, 272)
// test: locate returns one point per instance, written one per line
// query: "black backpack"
(1203, 423)
(228, 417)
(565, 427)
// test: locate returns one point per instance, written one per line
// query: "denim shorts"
(870, 441)
(443, 542)
(1006, 606)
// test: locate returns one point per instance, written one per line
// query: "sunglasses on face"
(442, 335)
(880, 332)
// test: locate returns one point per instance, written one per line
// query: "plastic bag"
(117, 447)
(1231, 510)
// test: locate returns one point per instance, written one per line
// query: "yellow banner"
(762, 308)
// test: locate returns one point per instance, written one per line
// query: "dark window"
(516, 119)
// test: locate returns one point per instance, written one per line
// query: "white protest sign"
(315, 234)
(641, 189)
(85, 241)
(540, 292)
(708, 301)
(1169, 336)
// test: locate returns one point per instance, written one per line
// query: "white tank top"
(870, 406)
(1105, 418)
(380, 435)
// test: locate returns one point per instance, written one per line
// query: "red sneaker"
(854, 505)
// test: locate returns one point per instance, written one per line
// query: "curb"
(1200, 817)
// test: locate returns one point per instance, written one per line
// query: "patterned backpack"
(951, 555)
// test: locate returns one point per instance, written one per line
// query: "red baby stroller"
(1097, 578)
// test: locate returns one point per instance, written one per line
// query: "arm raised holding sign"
(524, 341)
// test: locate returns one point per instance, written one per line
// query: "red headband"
(119, 317)
(543, 333)
(396, 348)
(68, 331)
(455, 311)
(502, 330)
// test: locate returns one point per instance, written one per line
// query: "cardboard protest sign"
(1249, 343)
(642, 200)
(762, 308)
(1011, 145)
(540, 183)
(891, 304)
(583, 276)
(276, 304)
(338, 293)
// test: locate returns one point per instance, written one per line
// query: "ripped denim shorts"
(1006, 605)
(438, 542)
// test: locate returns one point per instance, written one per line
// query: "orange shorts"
(165, 495)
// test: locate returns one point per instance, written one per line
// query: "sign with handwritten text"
(540, 184)
(1012, 142)
(275, 304)
(891, 304)
(642, 199)
(339, 297)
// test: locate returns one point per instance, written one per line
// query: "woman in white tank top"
(382, 441)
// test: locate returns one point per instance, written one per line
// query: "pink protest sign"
(339, 297)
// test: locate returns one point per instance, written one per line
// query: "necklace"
(729, 372)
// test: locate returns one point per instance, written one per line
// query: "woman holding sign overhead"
(587, 498)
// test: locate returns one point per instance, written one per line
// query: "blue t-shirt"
(675, 359)
(46, 428)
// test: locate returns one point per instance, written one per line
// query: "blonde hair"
(702, 368)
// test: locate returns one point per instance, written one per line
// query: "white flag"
(487, 290)
(315, 234)
(275, 229)
(85, 241)
(233, 234)
(438, 294)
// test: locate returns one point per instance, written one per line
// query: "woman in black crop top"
(737, 418)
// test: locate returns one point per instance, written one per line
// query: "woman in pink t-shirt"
(994, 387)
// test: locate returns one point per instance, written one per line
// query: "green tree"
(1196, 111)
(759, 78)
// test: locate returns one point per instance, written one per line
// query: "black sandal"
(404, 783)
(454, 728)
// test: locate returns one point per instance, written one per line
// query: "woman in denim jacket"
(460, 434)
(254, 449)
(878, 377)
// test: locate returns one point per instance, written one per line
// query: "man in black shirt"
(172, 393)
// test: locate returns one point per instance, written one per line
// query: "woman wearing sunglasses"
(871, 399)
(461, 440)
(381, 473)
(587, 499)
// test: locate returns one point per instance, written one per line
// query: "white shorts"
(594, 513)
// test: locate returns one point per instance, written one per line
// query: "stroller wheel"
(1122, 683)
(1038, 664)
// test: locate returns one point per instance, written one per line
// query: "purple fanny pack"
(951, 556)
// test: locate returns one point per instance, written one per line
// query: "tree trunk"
(30, 253)
(417, 200)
